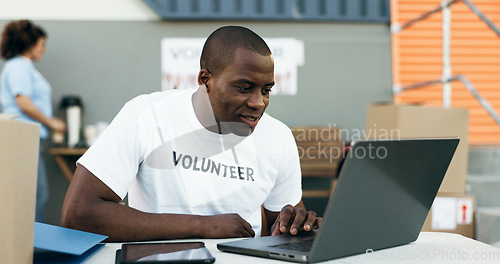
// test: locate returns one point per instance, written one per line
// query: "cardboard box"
(402, 121)
(452, 213)
(19, 143)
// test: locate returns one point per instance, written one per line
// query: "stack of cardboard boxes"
(320, 151)
(452, 210)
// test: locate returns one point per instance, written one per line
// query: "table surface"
(65, 159)
(67, 151)
(442, 248)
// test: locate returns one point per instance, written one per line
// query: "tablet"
(172, 252)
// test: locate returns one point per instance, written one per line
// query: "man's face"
(239, 94)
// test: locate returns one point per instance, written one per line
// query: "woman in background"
(25, 92)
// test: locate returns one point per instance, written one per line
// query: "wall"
(132, 10)
(108, 62)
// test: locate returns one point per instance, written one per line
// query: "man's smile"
(250, 120)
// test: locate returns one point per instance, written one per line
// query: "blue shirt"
(20, 77)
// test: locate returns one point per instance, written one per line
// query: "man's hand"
(295, 219)
(225, 226)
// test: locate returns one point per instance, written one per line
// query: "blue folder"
(54, 244)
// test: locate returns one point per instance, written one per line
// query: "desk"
(442, 248)
(65, 159)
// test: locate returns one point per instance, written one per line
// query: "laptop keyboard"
(302, 246)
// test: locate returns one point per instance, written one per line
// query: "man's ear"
(203, 76)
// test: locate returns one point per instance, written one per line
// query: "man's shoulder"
(273, 125)
(147, 100)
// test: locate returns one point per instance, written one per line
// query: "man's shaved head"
(220, 47)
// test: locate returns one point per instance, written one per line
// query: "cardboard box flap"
(5, 117)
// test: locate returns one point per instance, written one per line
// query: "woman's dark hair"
(18, 37)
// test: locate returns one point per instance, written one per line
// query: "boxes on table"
(452, 210)
(452, 213)
(385, 121)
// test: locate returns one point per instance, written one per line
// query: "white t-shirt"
(157, 151)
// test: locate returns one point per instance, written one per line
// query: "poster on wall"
(180, 63)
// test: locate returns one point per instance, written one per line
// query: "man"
(196, 163)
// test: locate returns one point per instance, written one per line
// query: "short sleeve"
(287, 188)
(115, 156)
(20, 78)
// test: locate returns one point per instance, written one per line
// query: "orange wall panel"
(475, 53)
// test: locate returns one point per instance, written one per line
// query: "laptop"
(383, 195)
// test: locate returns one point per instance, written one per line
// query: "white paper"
(444, 211)
(180, 63)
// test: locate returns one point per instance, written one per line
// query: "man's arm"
(90, 205)
(291, 219)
